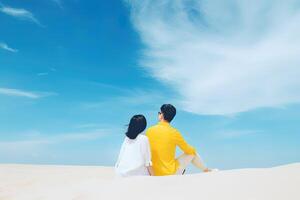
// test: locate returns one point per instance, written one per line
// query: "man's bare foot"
(207, 170)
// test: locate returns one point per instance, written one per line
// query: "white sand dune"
(38, 182)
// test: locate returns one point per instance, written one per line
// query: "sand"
(38, 182)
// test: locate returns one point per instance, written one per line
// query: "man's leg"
(185, 159)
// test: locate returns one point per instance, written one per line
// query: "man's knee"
(190, 156)
(185, 159)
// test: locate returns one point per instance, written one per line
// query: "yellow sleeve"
(147, 132)
(184, 146)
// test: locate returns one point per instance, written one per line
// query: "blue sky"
(73, 72)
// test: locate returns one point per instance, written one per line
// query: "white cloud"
(23, 93)
(222, 57)
(19, 13)
(7, 48)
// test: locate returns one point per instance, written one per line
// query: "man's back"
(163, 139)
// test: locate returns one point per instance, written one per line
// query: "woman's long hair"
(136, 125)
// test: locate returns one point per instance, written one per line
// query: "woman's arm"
(150, 170)
(120, 154)
(147, 157)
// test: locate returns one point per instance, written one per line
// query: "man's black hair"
(168, 111)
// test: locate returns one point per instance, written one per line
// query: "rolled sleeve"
(147, 153)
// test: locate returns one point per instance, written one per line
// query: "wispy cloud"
(87, 125)
(222, 57)
(42, 74)
(91, 135)
(47, 72)
(20, 13)
(41, 139)
(7, 48)
(58, 3)
(231, 134)
(47, 147)
(34, 142)
(132, 98)
(24, 93)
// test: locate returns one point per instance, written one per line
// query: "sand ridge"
(22, 182)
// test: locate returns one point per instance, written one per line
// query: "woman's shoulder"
(142, 137)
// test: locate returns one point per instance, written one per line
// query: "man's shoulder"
(158, 127)
(151, 129)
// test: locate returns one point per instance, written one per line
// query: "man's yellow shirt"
(163, 139)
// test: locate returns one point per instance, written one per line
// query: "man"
(163, 140)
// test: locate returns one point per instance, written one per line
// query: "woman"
(135, 157)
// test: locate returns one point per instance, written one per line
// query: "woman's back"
(134, 157)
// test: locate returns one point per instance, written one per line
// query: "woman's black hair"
(136, 125)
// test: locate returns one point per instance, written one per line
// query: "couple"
(154, 154)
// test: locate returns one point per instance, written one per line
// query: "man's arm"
(183, 145)
(189, 150)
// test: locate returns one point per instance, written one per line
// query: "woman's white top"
(134, 157)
